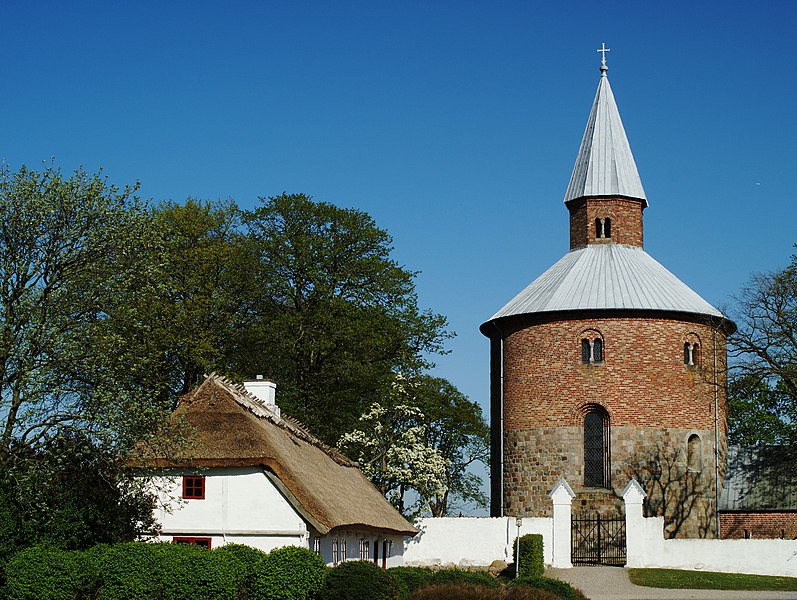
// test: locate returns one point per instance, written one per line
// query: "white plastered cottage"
(246, 474)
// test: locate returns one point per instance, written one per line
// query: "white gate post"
(633, 495)
(562, 496)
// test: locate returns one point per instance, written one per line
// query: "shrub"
(194, 572)
(532, 562)
(410, 579)
(241, 561)
(130, 570)
(359, 579)
(460, 591)
(525, 593)
(289, 573)
(555, 586)
(43, 572)
(463, 577)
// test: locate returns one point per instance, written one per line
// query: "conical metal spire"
(605, 165)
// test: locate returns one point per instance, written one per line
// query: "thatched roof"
(226, 426)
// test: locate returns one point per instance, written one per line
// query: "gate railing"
(598, 541)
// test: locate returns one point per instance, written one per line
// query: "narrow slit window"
(598, 229)
(607, 227)
(586, 351)
(597, 350)
(596, 448)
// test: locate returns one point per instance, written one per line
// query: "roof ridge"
(260, 410)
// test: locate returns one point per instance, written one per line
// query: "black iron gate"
(598, 541)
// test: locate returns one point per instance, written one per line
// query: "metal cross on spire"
(603, 50)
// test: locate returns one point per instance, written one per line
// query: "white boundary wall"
(471, 541)
(647, 547)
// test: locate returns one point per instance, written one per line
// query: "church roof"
(607, 276)
(223, 425)
(604, 165)
(759, 478)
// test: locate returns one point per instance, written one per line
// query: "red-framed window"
(194, 541)
(194, 487)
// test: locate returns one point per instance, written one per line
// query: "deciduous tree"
(337, 315)
(69, 249)
(763, 381)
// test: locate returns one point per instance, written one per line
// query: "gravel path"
(611, 583)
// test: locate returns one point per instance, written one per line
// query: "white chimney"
(265, 391)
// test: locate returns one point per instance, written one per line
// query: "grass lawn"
(700, 580)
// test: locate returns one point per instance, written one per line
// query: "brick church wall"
(655, 403)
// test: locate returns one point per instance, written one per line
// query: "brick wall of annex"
(642, 381)
(535, 459)
(766, 525)
(626, 224)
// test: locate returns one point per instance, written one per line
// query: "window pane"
(585, 351)
(594, 446)
(597, 350)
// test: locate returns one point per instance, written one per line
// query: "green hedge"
(165, 571)
(195, 572)
(359, 579)
(289, 573)
(463, 577)
(532, 562)
(46, 573)
(555, 586)
(410, 579)
(243, 564)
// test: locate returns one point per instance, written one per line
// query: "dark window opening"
(598, 229)
(194, 487)
(586, 351)
(597, 350)
(596, 449)
(607, 227)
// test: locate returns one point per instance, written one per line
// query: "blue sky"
(455, 124)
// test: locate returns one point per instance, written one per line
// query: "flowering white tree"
(391, 449)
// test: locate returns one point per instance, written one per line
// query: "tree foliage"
(70, 494)
(111, 308)
(391, 449)
(336, 316)
(455, 428)
(763, 380)
(69, 250)
(422, 438)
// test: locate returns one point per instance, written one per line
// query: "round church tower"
(607, 367)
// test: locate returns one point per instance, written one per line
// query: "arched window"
(591, 347)
(691, 354)
(597, 350)
(607, 227)
(586, 351)
(596, 448)
(598, 229)
(694, 453)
